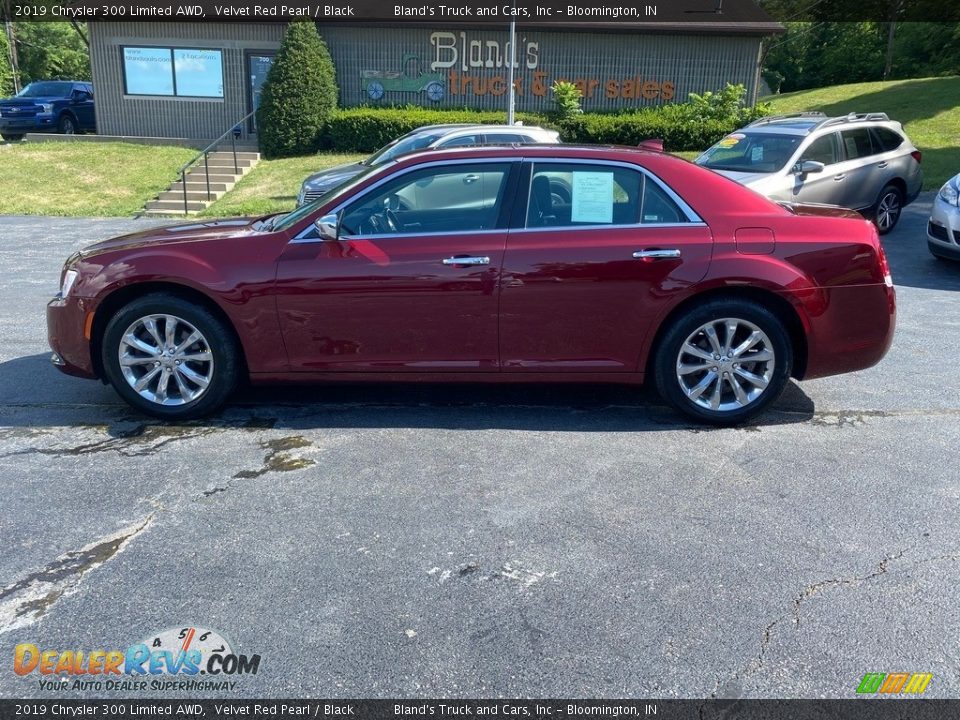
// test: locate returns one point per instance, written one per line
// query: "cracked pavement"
(393, 541)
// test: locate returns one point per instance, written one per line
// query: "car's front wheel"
(887, 211)
(67, 125)
(12, 138)
(170, 358)
(723, 362)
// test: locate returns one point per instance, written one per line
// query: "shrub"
(694, 125)
(566, 98)
(299, 95)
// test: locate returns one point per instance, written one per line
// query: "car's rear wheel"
(67, 125)
(886, 213)
(723, 362)
(11, 138)
(170, 358)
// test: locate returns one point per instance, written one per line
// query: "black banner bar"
(118, 709)
(744, 13)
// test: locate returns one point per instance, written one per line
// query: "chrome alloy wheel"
(725, 364)
(888, 211)
(166, 360)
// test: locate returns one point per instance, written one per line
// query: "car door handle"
(838, 178)
(470, 179)
(656, 254)
(466, 261)
(882, 165)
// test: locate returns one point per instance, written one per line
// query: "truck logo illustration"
(410, 79)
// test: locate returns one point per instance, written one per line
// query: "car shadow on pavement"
(33, 394)
(911, 264)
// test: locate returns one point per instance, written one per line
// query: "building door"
(258, 65)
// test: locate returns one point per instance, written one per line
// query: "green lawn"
(272, 186)
(84, 178)
(929, 109)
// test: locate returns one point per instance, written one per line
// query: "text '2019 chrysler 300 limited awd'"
(559, 264)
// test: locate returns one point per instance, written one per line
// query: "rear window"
(886, 139)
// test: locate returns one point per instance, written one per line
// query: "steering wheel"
(392, 221)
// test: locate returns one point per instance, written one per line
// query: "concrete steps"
(221, 173)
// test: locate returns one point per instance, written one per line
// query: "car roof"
(805, 123)
(444, 130)
(512, 150)
(786, 127)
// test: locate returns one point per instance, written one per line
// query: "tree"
(298, 96)
(6, 72)
(51, 51)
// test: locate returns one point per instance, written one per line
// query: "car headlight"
(303, 193)
(950, 193)
(47, 108)
(69, 278)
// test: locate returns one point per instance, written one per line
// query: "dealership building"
(197, 80)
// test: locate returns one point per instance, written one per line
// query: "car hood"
(23, 101)
(330, 177)
(188, 232)
(744, 178)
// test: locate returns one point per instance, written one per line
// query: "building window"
(173, 72)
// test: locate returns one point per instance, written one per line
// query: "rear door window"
(857, 143)
(581, 194)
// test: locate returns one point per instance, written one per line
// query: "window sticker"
(592, 200)
(756, 153)
(730, 140)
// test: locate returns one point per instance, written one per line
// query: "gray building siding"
(207, 118)
(666, 66)
(421, 66)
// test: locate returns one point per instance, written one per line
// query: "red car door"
(411, 284)
(603, 247)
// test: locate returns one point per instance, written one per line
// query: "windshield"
(751, 152)
(46, 89)
(288, 220)
(401, 146)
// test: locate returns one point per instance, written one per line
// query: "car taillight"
(916, 155)
(884, 266)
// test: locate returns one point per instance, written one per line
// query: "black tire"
(67, 125)
(893, 195)
(667, 357)
(225, 369)
(12, 138)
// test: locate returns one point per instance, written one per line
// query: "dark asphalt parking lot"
(472, 541)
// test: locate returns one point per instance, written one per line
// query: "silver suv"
(429, 136)
(864, 162)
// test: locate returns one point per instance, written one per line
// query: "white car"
(943, 229)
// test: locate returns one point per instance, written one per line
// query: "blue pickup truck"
(63, 106)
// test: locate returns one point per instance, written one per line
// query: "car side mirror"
(329, 227)
(808, 166)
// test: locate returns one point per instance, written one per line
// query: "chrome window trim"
(638, 226)
(301, 237)
(692, 217)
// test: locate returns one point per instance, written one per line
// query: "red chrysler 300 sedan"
(560, 264)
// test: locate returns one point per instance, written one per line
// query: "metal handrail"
(205, 154)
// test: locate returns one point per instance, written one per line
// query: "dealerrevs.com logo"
(170, 660)
(894, 683)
